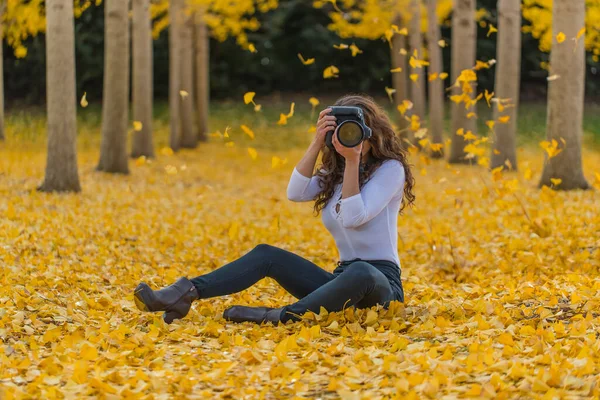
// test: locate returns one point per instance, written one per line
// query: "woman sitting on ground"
(360, 191)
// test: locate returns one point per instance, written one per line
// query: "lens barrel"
(350, 134)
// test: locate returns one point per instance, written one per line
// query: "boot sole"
(138, 297)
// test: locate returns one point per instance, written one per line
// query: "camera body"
(351, 127)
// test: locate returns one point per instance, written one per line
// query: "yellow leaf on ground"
(247, 131)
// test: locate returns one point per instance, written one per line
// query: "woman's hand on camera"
(325, 123)
(351, 154)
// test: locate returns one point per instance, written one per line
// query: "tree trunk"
(436, 87)
(417, 88)
(61, 164)
(202, 76)
(464, 35)
(1, 77)
(176, 15)
(566, 98)
(508, 77)
(115, 98)
(399, 79)
(143, 91)
(189, 137)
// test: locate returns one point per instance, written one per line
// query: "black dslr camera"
(351, 127)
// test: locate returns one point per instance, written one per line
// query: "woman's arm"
(303, 186)
(362, 206)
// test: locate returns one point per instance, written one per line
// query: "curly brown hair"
(385, 145)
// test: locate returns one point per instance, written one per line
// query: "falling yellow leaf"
(183, 94)
(551, 148)
(355, 50)
(504, 119)
(291, 113)
(556, 181)
(433, 76)
(560, 37)
(390, 92)
(442, 43)
(252, 48)
(341, 46)
(488, 97)
(403, 51)
(257, 107)
(249, 97)
(414, 77)
(404, 106)
(137, 126)
(84, 102)
(552, 77)
(247, 131)
(277, 162)
(284, 117)
(415, 122)
(491, 30)
(313, 101)
(399, 69)
(307, 61)
(252, 152)
(471, 115)
(421, 133)
(331, 72)
(443, 75)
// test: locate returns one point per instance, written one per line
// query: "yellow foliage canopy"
(539, 14)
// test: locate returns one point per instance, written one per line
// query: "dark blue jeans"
(358, 283)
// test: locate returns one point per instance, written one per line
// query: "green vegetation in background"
(28, 126)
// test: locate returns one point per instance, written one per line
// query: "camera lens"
(350, 134)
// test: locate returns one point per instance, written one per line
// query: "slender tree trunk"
(417, 88)
(189, 137)
(176, 16)
(202, 76)
(115, 99)
(436, 87)
(566, 97)
(464, 35)
(399, 79)
(508, 77)
(1, 77)
(143, 91)
(61, 164)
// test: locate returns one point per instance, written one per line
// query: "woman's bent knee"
(263, 248)
(363, 271)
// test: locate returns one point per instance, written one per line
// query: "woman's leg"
(295, 274)
(360, 284)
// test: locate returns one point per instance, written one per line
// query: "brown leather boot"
(253, 314)
(175, 299)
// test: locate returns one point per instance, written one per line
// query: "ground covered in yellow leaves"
(501, 279)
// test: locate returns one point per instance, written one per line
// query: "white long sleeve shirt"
(366, 225)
